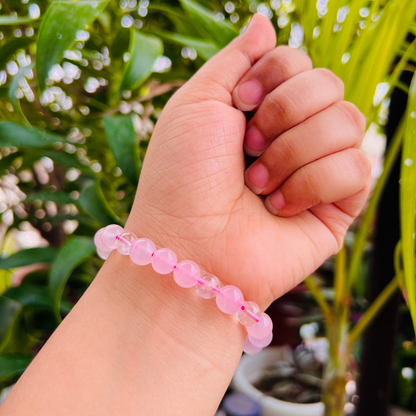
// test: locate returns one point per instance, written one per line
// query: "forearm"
(135, 342)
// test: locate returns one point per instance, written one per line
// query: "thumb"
(220, 75)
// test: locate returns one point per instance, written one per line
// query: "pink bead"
(186, 273)
(164, 260)
(208, 286)
(141, 251)
(229, 299)
(248, 319)
(98, 242)
(103, 254)
(108, 236)
(250, 349)
(261, 343)
(124, 242)
(262, 328)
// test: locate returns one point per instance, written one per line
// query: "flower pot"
(248, 372)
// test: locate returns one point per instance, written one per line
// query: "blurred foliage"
(82, 85)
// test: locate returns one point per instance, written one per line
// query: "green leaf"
(58, 31)
(220, 31)
(144, 50)
(182, 24)
(11, 47)
(15, 20)
(13, 365)
(34, 295)
(122, 139)
(204, 49)
(14, 86)
(58, 197)
(93, 202)
(29, 256)
(408, 200)
(13, 134)
(9, 310)
(71, 255)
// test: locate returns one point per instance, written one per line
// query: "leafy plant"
(82, 84)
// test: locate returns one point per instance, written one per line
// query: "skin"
(136, 343)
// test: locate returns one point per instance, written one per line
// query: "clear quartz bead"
(209, 288)
(124, 241)
(245, 318)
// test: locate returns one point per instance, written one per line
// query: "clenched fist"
(265, 227)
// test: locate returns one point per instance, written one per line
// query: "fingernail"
(275, 202)
(254, 143)
(247, 96)
(257, 178)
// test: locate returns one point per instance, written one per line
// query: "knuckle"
(355, 117)
(331, 77)
(280, 106)
(288, 61)
(360, 164)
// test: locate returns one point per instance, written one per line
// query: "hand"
(267, 227)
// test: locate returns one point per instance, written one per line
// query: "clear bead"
(261, 343)
(207, 290)
(262, 328)
(244, 318)
(229, 299)
(249, 348)
(124, 243)
(108, 236)
(186, 273)
(141, 251)
(164, 260)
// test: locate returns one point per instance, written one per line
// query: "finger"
(272, 69)
(336, 128)
(294, 101)
(219, 76)
(333, 178)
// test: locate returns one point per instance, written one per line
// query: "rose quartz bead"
(98, 242)
(262, 328)
(244, 318)
(186, 273)
(261, 343)
(109, 234)
(124, 242)
(141, 251)
(164, 260)
(209, 287)
(103, 254)
(250, 349)
(229, 299)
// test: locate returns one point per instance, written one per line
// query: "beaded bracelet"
(187, 274)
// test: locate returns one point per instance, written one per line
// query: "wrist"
(169, 311)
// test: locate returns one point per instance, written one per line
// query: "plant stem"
(373, 310)
(336, 367)
(319, 298)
